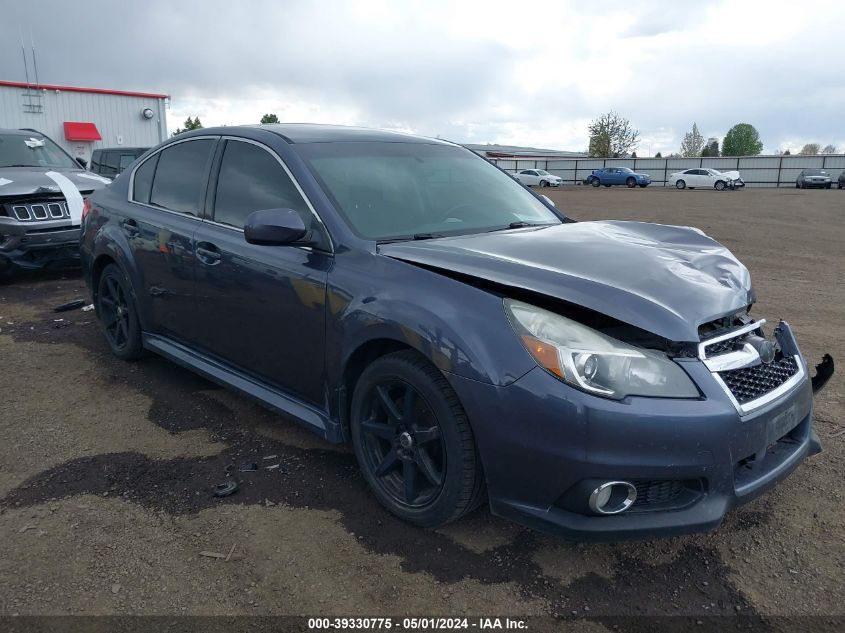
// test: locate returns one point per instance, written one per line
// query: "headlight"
(589, 360)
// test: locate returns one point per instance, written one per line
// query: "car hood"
(25, 181)
(667, 280)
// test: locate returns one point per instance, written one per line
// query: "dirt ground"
(106, 469)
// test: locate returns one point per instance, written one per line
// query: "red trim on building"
(79, 131)
(101, 91)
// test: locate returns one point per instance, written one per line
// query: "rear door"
(167, 195)
(263, 307)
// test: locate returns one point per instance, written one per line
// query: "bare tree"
(829, 149)
(612, 136)
(810, 148)
(693, 143)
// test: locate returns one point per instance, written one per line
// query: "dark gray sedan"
(809, 178)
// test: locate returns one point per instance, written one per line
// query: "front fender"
(460, 328)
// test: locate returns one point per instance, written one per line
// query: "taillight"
(86, 207)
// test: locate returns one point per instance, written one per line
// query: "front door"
(262, 307)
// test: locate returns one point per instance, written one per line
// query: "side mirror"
(274, 227)
(82, 162)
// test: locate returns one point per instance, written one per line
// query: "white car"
(538, 178)
(704, 178)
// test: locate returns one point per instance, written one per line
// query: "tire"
(118, 314)
(631, 182)
(680, 184)
(543, 184)
(439, 447)
(720, 185)
(595, 182)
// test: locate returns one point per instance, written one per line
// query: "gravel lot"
(105, 471)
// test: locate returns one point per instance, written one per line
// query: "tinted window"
(252, 179)
(109, 164)
(397, 190)
(144, 180)
(179, 177)
(125, 161)
(95, 161)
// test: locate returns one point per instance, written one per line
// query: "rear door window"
(109, 164)
(180, 176)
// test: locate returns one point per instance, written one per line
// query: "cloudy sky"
(510, 72)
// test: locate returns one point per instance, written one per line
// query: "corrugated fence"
(756, 171)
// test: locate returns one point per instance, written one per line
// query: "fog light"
(613, 497)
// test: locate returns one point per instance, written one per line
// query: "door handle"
(130, 227)
(208, 254)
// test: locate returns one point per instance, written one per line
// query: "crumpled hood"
(667, 280)
(24, 181)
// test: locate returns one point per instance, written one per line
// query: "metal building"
(84, 119)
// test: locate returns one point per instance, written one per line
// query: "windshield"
(35, 150)
(416, 190)
(543, 173)
(815, 172)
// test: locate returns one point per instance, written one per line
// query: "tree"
(742, 140)
(612, 136)
(711, 148)
(693, 143)
(809, 149)
(829, 149)
(190, 124)
(269, 118)
(633, 154)
(658, 155)
(786, 152)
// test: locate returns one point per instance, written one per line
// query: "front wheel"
(118, 315)
(720, 185)
(595, 182)
(413, 441)
(680, 184)
(543, 184)
(631, 182)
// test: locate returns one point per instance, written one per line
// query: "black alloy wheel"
(413, 441)
(117, 314)
(631, 182)
(403, 444)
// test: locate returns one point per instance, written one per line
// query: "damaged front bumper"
(34, 246)
(545, 446)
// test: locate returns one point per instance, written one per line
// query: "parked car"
(111, 161)
(813, 178)
(41, 191)
(609, 176)
(595, 379)
(538, 178)
(842, 179)
(704, 178)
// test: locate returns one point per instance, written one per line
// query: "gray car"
(41, 199)
(813, 178)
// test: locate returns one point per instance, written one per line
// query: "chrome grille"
(38, 211)
(749, 383)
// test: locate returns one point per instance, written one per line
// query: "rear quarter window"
(143, 183)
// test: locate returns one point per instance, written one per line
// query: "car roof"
(320, 133)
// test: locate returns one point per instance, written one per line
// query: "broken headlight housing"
(594, 362)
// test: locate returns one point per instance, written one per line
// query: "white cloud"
(469, 71)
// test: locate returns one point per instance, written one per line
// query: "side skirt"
(301, 412)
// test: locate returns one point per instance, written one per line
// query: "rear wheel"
(413, 441)
(595, 182)
(118, 315)
(631, 182)
(720, 185)
(680, 184)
